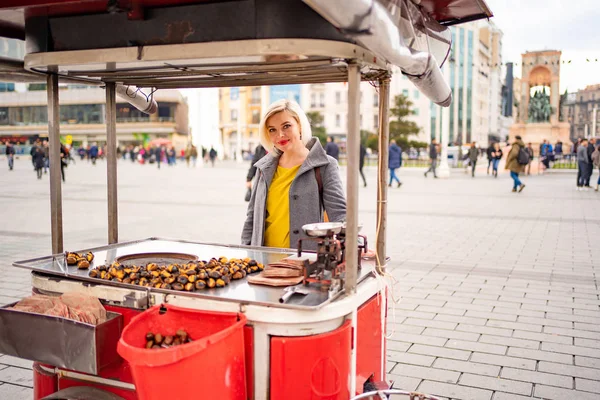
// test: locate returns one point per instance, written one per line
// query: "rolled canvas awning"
(407, 33)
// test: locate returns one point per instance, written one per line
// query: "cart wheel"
(396, 394)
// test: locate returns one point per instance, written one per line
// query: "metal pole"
(382, 167)
(111, 162)
(444, 117)
(353, 153)
(55, 182)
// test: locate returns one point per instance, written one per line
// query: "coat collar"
(316, 158)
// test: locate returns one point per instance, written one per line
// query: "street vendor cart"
(322, 339)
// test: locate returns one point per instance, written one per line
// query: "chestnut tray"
(60, 342)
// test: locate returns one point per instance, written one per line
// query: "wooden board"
(276, 282)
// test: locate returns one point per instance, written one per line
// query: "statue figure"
(539, 107)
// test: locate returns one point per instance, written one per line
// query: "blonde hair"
(295, 110)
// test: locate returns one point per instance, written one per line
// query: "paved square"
(498, 292)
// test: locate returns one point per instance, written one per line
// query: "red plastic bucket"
(210, 367)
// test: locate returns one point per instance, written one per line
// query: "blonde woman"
(286, 194)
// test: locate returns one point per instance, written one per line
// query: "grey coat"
(304, 195)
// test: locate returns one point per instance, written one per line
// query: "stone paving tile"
(493, 359)
(439, 352)
(444, 333)
(454, 391)
(476, 346)
(433, 374)
(15, 362)
(404, 382)
(537, 377)
(410, 358)
(543, 337)
(540, 355)
(587, 362)
(555, 393)
(513, 342)
(17, 376)
(467, 366)
(494, 383)
(511, 396)
(587, 343)
(587, 385)
(485, 330)
(575, 350)
(15, 392)
(572, 332)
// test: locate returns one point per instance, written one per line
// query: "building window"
(338, 97)
(376, 100)
(361, 120)
(416, 112)
(405, 93)
(255, 96)
(322, 99)
(376, 121)
(255, 116)
(338, 120)
(313, 100)
(416, 94)
(234, 115)
(234, 93)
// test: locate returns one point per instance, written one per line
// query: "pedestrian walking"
(530, 152)
(194, 155)
(94, 153)
(394, 161)
(583, 164)
(490, 157)
(361, 163)
(46, 147)
(212, 155)
(473, 155)
(38, 160)
(10, 155)
(596, 163)
(433, 156)
(64, 159)
(497, 156)
(332, 149)
(591, 147)
(516, 161)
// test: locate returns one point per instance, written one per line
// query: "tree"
(316, 125)
(400, 127)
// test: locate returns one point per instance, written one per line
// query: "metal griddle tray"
(60, 342)
(238, 291)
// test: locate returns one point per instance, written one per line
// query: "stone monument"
(539, 101)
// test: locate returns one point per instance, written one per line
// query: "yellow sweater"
(277, 224)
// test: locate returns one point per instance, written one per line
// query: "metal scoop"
(289, 292)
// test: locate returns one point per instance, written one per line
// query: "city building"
(475, 77)
(331, 100)
(24, 116)
(582, 111)
(240, 110)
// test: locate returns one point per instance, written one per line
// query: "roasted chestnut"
(149, 344)
(149, 336)
(168, 340)
(211, 283)
(177, 286)
(215, 275)
(200, 284)
(220, 283)
(183, 279)
(189, 286)
(158, 338)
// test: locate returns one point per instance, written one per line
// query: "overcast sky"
(571, 26)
